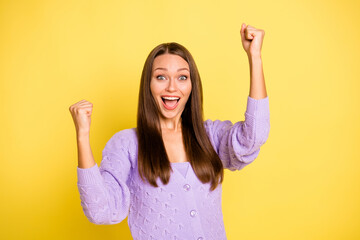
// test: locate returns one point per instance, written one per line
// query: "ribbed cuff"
(89, 176)
(258, 107)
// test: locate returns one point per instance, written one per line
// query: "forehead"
(171, 62)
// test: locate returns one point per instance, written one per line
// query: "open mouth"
(170, 103)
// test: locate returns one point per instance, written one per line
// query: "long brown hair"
(153, 160)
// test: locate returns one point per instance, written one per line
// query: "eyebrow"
(167, 69)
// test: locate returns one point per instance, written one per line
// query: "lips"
(170, 102)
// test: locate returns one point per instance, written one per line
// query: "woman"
(166, 174)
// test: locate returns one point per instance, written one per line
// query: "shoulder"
(216, 125)
(126, 134)
(125, 140)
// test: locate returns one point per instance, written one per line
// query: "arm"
(85, 156)
(239, 144)
(252, 39)
(81, 113)
(104, 194)
(257, 81)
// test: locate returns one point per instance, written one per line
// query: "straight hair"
(153, 161)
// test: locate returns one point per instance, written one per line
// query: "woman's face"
(170, 84)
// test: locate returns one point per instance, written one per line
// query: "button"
(193, 213)
(200, 238)
(186, 187)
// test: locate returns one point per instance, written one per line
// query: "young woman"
(166, 174)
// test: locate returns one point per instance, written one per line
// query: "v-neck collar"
(176, 171)
(190, 178)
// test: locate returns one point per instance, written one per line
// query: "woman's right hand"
(81, 114)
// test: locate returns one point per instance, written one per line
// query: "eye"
(185, 77)
(161, 77)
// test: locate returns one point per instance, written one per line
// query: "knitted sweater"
(185, 208)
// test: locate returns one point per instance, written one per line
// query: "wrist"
(254, 57)
(82, 134)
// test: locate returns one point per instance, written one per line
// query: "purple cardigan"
(185, 208)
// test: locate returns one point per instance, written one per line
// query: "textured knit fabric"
(185, 208)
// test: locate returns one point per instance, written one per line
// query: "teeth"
(171, 98)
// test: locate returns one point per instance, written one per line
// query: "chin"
(169, 115)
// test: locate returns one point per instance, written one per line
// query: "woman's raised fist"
(81, 114)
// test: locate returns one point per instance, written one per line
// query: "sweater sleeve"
(104, 194)
(239, 144)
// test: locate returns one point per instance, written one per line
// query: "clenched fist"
(252, 39)
(81, 114)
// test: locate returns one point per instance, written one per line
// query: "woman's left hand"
(252, 39)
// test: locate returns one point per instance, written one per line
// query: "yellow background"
(305, 183)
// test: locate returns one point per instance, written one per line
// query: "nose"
(171, 87)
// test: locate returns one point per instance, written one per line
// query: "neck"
(171, 125)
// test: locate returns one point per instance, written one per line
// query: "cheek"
(153, 89)
(186, 89)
